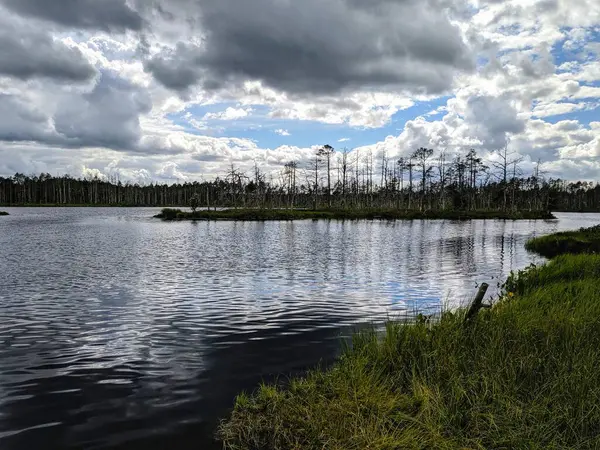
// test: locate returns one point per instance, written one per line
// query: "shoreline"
(170, 214)
(585, 240)
(518, 373)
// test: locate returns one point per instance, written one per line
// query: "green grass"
(586, 240)
(370, 214)
(522, 375)
(3, 213)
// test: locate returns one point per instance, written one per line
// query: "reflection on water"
(119, 331)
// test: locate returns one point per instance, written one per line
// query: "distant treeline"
(424, 181)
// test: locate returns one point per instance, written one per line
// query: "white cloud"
(114, 119)
(554, 109)
(437, 111)
(229, 114)
(90, 173)
(362, 110)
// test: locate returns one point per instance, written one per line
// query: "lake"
(121, 331)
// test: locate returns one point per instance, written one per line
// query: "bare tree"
(290, 171)
(507, 160)
(316, 180)
(402, 167)
(344, 172)
(410, 165)
(442, 177)
(383, 182)
(327, 152)
(422, 156)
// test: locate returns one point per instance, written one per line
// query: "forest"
(424, 181)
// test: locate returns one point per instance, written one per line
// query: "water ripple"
(117, 331)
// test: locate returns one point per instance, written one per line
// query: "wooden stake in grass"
(477, 302)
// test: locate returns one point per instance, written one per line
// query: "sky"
(179, 90)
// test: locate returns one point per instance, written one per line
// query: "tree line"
(425, 180)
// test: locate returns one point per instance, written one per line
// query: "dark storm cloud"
(107, 116)
(177, 69)
(20, 121)
(27, 52)
(316, 46)
(104, 15)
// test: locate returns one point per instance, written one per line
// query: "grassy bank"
(3, 213)
(585, 240)
(372, 214)
(520, 375)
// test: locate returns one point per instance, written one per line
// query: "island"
(263, 214)
(519, 374)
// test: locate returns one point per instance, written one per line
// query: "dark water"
(119, 331)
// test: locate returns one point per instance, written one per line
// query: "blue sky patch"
(258, 127)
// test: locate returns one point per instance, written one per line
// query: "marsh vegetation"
(250, 214)
(585, 240)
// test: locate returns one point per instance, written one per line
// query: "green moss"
(586, 240)
(368, 214)
(521, 375)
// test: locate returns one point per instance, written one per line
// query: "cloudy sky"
(168, 90)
